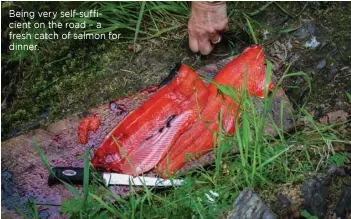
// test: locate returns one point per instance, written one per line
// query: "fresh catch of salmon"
(180, 119)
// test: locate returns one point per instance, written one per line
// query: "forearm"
(208, 7)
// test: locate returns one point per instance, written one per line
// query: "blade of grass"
(86, 177)
(20, 212)
(218, 136)
(348, 96)
(287, 13)
(251, 31)
(137, 28)
(271, 159)
(110, 208)
(261, 8)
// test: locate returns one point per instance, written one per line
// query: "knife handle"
(70, 175)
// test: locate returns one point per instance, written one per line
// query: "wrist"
(208, 4)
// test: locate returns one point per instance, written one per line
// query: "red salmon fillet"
(199, 138)
(140, 130)
(251, 61)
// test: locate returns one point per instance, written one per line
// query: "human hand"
(208, 20)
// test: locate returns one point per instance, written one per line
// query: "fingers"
(193, 44)
(203, 39)
(205, 47)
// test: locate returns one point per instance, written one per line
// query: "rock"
(285, 208)
(321, 64)
(334, 117)
(337, 116)
(137, 47)
(44, 214)
(334, 170)
(312, 43)
(343, 206)
(249, 206)
(10, 196)
(315, 194)
(307, 30)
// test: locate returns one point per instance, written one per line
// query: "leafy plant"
(307, 215)
(348, 96)
(338, 158)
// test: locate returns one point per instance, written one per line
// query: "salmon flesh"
(180, 119)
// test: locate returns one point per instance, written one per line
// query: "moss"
(77, 78)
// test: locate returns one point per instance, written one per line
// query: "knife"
(76, 175)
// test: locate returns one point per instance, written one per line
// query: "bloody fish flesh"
(86, 125)
(139, 142)
(180, 119)
(199, 138)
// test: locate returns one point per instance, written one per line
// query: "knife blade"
(75, 175)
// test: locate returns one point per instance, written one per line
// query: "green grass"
(338, 158)
(155, 17)
(348, 95)
(307, 215)
(145, 20)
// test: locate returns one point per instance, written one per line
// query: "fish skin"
(198, 140)
(172, 99)
(170, 76)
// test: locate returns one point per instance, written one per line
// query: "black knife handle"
(72, 175)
